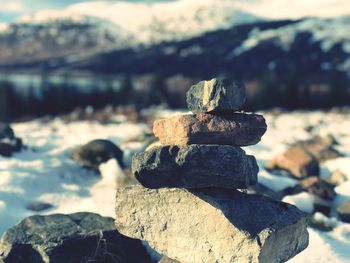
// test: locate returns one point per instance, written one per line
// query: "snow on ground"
(44, 171)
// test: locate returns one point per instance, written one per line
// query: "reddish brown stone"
(236, 129)
(297, 161)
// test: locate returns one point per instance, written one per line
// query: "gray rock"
(215, 95)
(212, 225)
(195, 166)
(79, 237)
(38, 206)
(8, 142)
(318, 187)
(321, 205)
(6, 131)
(92, 154)
(344, 212)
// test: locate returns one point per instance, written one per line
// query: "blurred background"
(61, 56)
(81, 83)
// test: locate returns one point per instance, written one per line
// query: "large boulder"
(216, 95)
(212, 225)
(8, 142)
(96, 152)
(238, 129)
(195, 166)
(79, 237)
(297, 161)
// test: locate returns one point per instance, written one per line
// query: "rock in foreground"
(212, 225)
(216, 95)
(195, 166)
(236, 129)
(79, 237)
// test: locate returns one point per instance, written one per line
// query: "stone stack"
(189, 208)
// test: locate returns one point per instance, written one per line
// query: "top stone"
(216, 95)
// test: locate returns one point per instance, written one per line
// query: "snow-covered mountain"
(85, 29)
(99, 36)
(67, 38)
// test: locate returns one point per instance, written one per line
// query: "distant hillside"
(287, 63)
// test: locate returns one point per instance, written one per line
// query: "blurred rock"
(215, 95)
(337, 178)
(322, 223)
(212, 225)
(6, 132)
(8, 142)
(321, 205)
(344, 212)
(319, 187)
(96, 152)
(195, 166)
(38, 206)
(79, 237)
(297, 161)
(320, 147)
(238, 129)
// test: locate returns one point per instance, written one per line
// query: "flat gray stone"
(212, 225)
(216, 95)
(195, 166)
(79, 237)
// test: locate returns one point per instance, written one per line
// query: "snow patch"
(304, 201)
(328, 32)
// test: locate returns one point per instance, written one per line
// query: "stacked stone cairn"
(191, 207)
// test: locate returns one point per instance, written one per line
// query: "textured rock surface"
(344, 212)
(296, 161)
(215, 95)
(237, 129)
(79, 237)
(212, 225)
(195, 166)
(96, 152)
